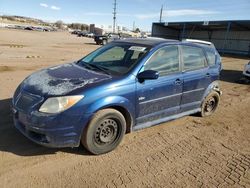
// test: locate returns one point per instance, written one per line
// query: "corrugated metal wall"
(233, 42)
(164, 32)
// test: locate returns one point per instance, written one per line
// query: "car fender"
(112, 101)
(214, 86)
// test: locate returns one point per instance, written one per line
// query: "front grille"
(25, 101)
(248, 71)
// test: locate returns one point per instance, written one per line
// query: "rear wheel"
(104, 132)
(210, 104)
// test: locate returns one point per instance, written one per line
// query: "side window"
(112, 54)
(210, 58)
(165, 60)
(193, 58)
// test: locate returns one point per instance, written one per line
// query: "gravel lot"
(188, 152)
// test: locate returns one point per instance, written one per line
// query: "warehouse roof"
(239, 25)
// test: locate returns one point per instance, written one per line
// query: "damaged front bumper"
(216, 87)
(51, 130)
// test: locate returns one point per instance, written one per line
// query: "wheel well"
(126, 114)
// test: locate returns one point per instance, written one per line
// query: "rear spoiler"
(199, 42)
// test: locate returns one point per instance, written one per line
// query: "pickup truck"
(104, 39)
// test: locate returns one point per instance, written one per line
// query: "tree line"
(76, 26)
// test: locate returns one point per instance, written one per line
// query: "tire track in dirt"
(189, 152)
(171, 156)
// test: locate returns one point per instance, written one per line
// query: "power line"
(114, 16)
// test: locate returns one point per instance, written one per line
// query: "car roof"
(145, 41)
(154, 41)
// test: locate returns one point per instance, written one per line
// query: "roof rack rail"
(198, 41)
(155, 38)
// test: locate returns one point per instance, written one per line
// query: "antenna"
(114, 16)
(161, 13)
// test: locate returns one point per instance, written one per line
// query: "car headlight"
(59, 104)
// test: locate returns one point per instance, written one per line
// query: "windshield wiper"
(97, 67)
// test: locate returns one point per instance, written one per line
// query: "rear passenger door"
(196, 76)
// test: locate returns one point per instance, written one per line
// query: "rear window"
(193, 58)
(210, 58)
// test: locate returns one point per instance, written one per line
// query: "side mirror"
(148, 75)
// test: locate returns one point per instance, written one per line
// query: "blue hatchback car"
(123, 86)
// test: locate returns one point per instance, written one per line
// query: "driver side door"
(160, 98)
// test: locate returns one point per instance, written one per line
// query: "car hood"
(62, 79)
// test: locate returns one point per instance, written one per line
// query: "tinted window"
(165, 60)
(210, 58)
(193, 58)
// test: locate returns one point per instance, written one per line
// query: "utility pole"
(134, 26)
(161, 13)
(114, 16)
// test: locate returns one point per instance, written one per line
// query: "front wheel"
(104, 132)
(210, 104)
(104, 42)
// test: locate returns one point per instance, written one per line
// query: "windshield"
(114, 58)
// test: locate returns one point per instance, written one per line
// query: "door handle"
(208, 75)
(177, 82)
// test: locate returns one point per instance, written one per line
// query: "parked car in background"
(33, 28)
(76, 32)
(82, 34)
(90, 35)
(30, 28)
(104, 39)
(123, 86)
(246, 71)
(47, 29)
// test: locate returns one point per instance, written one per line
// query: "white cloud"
(187, 12)
(43, 5)
(53, 7)
(176, 13)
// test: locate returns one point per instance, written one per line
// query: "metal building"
(231, 37)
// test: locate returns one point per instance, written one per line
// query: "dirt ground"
(188, 152)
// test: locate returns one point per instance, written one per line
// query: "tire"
(210, 104)
(104, 42)
(104, 132)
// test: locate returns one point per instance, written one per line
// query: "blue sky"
(142, 12)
